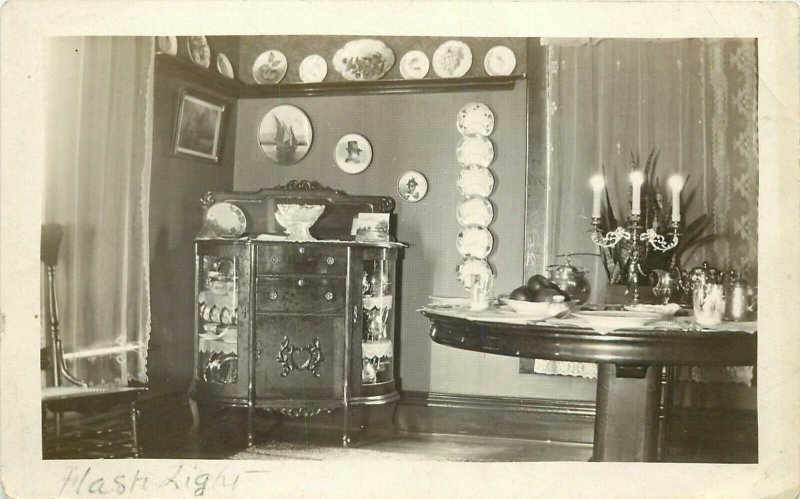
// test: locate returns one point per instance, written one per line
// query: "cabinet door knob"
(301, 282)
(329, 296)
(301, 250)
(273, 295)
(330, 260)
(274, 259)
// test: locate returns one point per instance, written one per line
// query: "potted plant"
(656, 212)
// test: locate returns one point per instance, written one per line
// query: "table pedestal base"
(626, 424)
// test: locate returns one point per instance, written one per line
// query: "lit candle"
(675, 183)
(598, 183)
(637, 179)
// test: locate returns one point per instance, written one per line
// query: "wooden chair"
(85, 420)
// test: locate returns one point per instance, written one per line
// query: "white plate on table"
(546, 308)
(617, 319)
(449, 301)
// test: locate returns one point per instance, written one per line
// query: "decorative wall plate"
(472, 267)
(313, 69)
(269, 67)
(167, 45)
(475, 150)
(475, 241)
(499, 61)
(412, 186)
(285, 134)
(414, 65)
(475, 181)
(226, 220)
(224, 66)
(475, 119)
(199, 52)
(353, 153)
(364, 59)
(452, 59)
(475, 211)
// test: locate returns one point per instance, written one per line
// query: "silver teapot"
(570, 279)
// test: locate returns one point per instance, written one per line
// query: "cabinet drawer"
(309, 294)
(301, 259)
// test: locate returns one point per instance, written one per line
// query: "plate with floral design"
(470, 268)
(475, 180)
(499, 61)
(475, 119)
(199, 52)
(475, 241)
(476, 210)
(414, 65)
(363, 60)
(226, 219)
(270, 67)
(475, 150)
(167, 45)
(313, 69)
(452, 59)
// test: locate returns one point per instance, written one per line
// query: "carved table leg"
(195, 416)
(250, 411)
(626, 424)
(134, 430)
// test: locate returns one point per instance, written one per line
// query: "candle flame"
(597, 182)
(636, 177)
(675, 182)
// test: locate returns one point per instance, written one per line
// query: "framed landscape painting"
(198, 126)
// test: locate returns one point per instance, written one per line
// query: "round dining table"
(629, 367)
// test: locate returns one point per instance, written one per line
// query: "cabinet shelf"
(235, 88)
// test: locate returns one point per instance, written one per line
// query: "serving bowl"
(297, 219)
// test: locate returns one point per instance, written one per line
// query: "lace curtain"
(97, 181)
(694, 101)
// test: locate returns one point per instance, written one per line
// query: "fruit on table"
(543, 289)
(522, 293)
(538, 282)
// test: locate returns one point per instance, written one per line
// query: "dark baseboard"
(507, 417)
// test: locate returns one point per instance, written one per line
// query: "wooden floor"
(164, 433)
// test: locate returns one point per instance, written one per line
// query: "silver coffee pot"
(570, 279)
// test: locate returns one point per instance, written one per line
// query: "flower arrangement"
(655, 214)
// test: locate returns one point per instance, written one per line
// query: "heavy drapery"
(98, 125)
(693, 100)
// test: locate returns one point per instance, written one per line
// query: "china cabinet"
(295, 327)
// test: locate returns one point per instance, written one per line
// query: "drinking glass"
(709, 304)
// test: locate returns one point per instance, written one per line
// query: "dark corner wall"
(175, 218)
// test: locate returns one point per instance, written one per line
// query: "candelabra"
(634, 234)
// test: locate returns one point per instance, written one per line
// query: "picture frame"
(199, 123)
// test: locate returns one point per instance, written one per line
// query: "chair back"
(51, 245)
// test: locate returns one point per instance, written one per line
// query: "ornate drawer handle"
(273, 295)
(259, 350)
(274, 259)
(329, 296)
(301, 282)
(330, 260)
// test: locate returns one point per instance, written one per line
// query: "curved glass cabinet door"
(218, 312)
(377, 338)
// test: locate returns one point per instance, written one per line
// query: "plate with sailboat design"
(285, 135)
